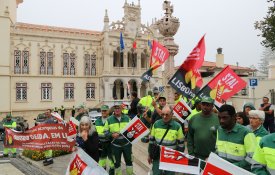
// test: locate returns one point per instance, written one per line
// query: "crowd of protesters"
(243, 138)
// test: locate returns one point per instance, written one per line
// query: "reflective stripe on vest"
(171, 137)
(10, 125)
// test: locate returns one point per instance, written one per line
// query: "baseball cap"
(8, 115)
(117, 103)
(104, 107)
(156, 90)
(162, 97)
(207, 100)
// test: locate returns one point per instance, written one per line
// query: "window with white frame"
(46, 91)
(69, 91)
(69, 63)
(21, 62)
(90, 64)
(46, 63)
(21, 91)
(90, 91)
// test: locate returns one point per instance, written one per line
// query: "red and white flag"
(181, 110)
(172, 160)
(217, 166)
(135, 130)
(72, 130)
(82, 164)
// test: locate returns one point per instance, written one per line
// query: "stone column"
(125, 91)
(138, 89)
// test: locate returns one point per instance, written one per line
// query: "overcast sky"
(227, 23)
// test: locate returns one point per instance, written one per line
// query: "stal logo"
(77, 166)
(195, 55)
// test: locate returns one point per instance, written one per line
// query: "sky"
(228, 24)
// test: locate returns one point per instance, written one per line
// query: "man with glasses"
(174, 138)
(202, 127)
(104, 142)
(119, 145)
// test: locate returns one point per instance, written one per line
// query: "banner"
(187, 80)
(159, 55)
(172, 160)
(135, 130)
(181, 110)
(72, 130)
(82, 164)
(217, 166)
(222, 86)
(41, 137)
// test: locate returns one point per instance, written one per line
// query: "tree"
(267, 55)
(267, 27)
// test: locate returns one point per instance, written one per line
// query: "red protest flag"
(159, 54)
(187, 80)
(172, 160)
(223, 85)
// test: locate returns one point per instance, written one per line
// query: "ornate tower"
(168, 27)
(132, 18)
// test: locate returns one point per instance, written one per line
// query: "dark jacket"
(133, 107)
(90, 146)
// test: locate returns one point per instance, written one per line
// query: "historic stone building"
(45, 66)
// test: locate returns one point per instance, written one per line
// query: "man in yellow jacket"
(9, 123)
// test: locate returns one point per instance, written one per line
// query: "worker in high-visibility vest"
(9, 123)
(256, 119)
(263, 161)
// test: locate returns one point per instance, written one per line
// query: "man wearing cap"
(235, 143)
(80, 112)
(256, 119)
(201, 137)
(104, 142)
(120, 145)
(9, 123)
(158, 108)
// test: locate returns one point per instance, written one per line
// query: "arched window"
(69, 63)
(117, 58)
(132, 59)
(46, 63)
(144, 60)
(21, 62)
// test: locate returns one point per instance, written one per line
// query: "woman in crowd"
(87, 138)
(256, 118)
(242, 119)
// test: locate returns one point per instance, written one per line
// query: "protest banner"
(41, 137)
(181, 110)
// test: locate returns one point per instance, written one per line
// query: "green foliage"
(39, 155)
(267, 27)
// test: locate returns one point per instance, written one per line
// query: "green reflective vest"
(99, 125)
(263, 161)
(113, 125)
(147, 102)
(174, 138)
(236, 146)
(10, 124)
(259, 133)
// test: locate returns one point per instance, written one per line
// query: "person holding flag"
(235, 143)
(119, 145)
(166, 132)
(104, 142)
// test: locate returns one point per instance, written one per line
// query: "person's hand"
(115, 135)
(149, 159)
(154, 103)
(84, 135)
(74, 149)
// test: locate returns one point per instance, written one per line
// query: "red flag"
(134, 130)
(187, 80)
(159, 54)
(172, 160)
(223, 86)
(181, 110)
(134, 44)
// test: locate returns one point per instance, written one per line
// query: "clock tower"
(132, 17)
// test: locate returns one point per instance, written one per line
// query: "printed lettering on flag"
(187, 79)
(223, 86)
(135, 130)
(72, 129)
(161, 89)
(172, 160)
(181, 110)
(82, 164)
(217, 166)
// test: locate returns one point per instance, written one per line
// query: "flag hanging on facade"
(187, 80)
(222, 86)
(159, 55)
(135, 130)
(181, 110)
(172, 160)
(217, 166)
(82, 164)
(121, 42)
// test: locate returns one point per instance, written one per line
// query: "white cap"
(257, 113)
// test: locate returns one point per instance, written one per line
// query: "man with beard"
(235, 143)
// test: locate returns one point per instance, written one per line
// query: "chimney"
(219, 58)
(271, 69)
